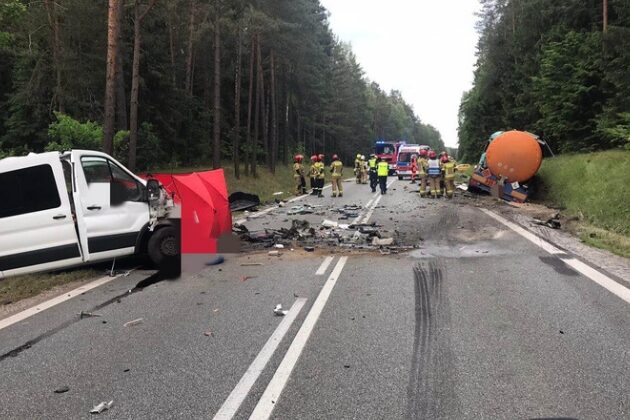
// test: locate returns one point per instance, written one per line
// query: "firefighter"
(422, 172)
(336, 170)
(448, 169)
(364, 170)
(298, 175)
(312, 173)
(320, 175)
(434, 173)
(382, 171)
(372, 172)
(414, 168)
(357, 168)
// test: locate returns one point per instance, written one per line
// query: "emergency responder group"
(436, 173)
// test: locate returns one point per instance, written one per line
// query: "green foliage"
(67, 133)
(545, 66)
(594, 187)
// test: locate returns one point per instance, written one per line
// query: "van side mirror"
(153, 190)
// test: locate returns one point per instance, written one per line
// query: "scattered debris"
(251, 264)
(382, 241)
(279, 311)
(279, 246)
(243, 201)
(62, 390)
(216, 260)
(309, 249)
(134, 322)
(245, 278)
(329, 224)
(208, 333)
(102, 407)
(552, 222)
(278, 193)
(84, 314)
(274, 253)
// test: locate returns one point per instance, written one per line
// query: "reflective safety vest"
(336, 168)
(449, 170)
(434, 168)
(382, 169)
(313, 170)
(372, 163)
(298, 170)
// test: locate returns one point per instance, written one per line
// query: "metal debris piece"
(382, 241)
(274, 253)
(251, 264)
(309, 249)
(101, 407)
(279, 246)
(134, 322)
(216, 260)
(278, 193)
(84, 314)
(62, 390)
(329, 224)
(279, 311)
(245, 278)
(208, 333)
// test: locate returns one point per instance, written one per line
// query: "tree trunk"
(113, 28)
(249, 150)
(189, 58)
(605, 12)
(171, 41)
(121, 96)
(216, 142)
(287, 132)
(135, 82)
(237, 106)
(265, 105)
(53, 20)
(274, 119)
(261, 95)
(257, 109)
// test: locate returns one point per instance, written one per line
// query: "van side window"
(28, 190)
(96, 169)
(131, 188)
(123, 186)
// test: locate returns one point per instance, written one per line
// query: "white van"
(60, 210)
(406, 152)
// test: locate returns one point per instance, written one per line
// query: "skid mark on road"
(431, 360)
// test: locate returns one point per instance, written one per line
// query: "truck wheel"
(400, 177)
(163, 247)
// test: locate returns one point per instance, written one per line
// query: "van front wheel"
(164, 247)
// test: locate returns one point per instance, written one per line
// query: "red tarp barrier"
(205, 208)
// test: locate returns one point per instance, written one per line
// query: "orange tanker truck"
(510, 161)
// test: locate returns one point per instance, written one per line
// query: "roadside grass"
(17, 288)
(594, 188)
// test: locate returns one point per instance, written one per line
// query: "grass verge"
(594, 188)
(17, 288)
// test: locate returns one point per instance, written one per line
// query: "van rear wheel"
(164, 247)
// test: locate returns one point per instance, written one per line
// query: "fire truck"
(388, 151)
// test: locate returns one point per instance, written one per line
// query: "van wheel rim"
(169, 246)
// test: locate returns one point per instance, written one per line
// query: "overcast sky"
(424, 48)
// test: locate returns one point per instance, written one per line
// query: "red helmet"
(443, 154)
(320, 157)
(432, 154)
(423, 153)
(314, 158)
(444, 158)
(335, 157)
(298, 158)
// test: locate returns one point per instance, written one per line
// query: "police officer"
(372, 172)
(382, 171)
(336, 170)
(298, 175)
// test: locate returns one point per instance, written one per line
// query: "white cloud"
(424, 48)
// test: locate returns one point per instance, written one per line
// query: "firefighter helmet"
(432, 154)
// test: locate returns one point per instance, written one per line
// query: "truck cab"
(66, 209)
(388, 151)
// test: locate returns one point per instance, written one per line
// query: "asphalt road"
(474, 322)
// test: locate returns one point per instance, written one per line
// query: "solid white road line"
(53, 302)
(322, 268)
(239, 393)
(280, 378)
(598, 277)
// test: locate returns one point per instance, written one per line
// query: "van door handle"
(59, 217)
(94, 208)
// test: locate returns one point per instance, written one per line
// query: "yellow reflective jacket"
(422, 166)
(336, 168)
(320, 170)
(449, 169)
(298, 170)
(372, 163)
(382, 169)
